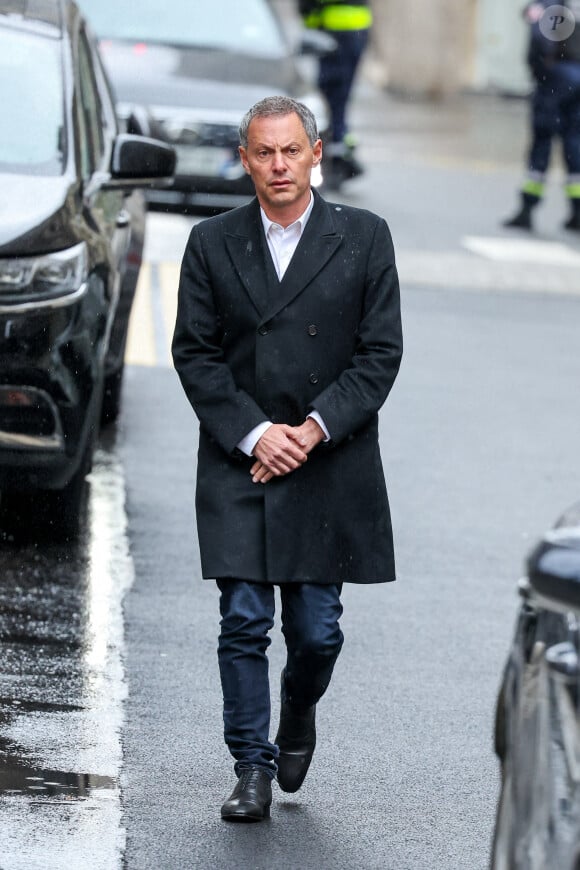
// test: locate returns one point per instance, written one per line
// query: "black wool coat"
(249, 348)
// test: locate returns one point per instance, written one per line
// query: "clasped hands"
(283, 449)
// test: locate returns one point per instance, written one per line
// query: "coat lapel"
(318, 244)
(247, 248)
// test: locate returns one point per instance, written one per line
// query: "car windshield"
(246, 26)
(31, 96)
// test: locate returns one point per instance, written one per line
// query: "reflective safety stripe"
(346, 17)
(536, 188)
(313, 20)
(573, 191)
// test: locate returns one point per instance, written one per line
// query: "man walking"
(287, 342)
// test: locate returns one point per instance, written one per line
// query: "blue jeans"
(310, 614)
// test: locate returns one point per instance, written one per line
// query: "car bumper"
(203, 191)
(195, 199)
(51, 375)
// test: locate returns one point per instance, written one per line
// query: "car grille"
(29, 419)
(216, 135)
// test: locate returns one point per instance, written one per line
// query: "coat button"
(313, 378)
(313, 329)
(264, 329)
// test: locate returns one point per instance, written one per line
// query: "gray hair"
(279, 106)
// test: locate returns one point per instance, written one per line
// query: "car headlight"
(45, 278)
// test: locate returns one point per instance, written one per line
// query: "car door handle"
(562, 660)
(123, 219)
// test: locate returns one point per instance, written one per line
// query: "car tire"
(502, 852)
(111, 406)
(500, 724)
(56, 515)
(65, 509)
(46, 514)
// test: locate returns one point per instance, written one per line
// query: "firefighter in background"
(555, 65)
(349, 24)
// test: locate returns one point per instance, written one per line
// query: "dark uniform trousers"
(336, 75)
(556, 111)
(349, 25)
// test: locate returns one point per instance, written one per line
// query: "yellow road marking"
(169, 280)
(153, 316)
(141, 336)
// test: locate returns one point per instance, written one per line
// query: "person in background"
(349, 24)
(555, 106)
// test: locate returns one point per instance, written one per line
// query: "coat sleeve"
(349, 402)
(226, 412)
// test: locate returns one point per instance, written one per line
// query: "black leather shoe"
(573, 222)
(250, 800)
(296, 739)
(521, 221)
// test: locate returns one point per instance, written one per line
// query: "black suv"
(67, 240)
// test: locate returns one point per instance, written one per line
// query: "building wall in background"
(437, 47)
(427, 45)
(501, 44)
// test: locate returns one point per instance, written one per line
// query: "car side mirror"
(316, 43)
(554, 565)
(138, 161)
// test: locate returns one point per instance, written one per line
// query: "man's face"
(279, 158)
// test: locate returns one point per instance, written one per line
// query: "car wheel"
(56, 515)
(48, 514)
(112, 396)
(503, 835)
(64, 510)
(500, 741)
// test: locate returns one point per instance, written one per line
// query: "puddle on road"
(48, 785)
(19, 775)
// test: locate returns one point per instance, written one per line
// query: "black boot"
(340, 164)
(296, 739)
(250, 800)
(573, 222)
(523, 218)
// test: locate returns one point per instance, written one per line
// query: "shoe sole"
(246, 817)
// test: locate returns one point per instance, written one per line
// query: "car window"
(103, 84)
(91, 110)
(32, 101)
(246, 26)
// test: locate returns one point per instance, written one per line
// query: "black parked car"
(70, 247)
(538, 713)
(197, 67)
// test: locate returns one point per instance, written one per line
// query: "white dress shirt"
(282, 242)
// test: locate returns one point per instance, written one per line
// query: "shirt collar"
(301, 221)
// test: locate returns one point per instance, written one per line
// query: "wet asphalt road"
(480, 445)
(110, 740)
